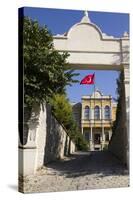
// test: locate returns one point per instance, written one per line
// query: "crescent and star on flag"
(89, 79)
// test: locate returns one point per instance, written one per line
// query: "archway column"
(31, 153)
(32, 124)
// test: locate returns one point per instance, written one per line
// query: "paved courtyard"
(81, 171)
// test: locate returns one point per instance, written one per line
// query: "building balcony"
(97, 123)
(97, 120)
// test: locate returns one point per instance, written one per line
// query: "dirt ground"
(80, 171)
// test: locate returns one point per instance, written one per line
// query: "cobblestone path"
(81, 171)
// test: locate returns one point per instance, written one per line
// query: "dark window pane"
(107, 112)
(97, 112)
(87, 112)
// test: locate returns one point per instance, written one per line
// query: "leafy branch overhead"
(44, 67)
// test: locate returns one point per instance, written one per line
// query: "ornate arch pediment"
(87, 45)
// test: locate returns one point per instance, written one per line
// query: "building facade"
(97, 116)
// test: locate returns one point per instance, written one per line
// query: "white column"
(91, 134)
(110, 134)
(32, 123)
(28, 152)
(103, 136)
(91, 140)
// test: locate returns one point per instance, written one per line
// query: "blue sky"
(59, 21)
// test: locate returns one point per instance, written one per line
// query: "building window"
(86, 112)
(107, 112)
(96, 112)
(106, 136)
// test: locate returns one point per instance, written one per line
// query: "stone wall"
(47, 141)
(58, 142)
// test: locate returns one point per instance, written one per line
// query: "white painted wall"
(86, 44)
(41, 133)
(33, 153)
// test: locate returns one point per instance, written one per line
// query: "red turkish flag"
(89, 79)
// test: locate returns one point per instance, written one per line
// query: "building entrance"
(97, 138)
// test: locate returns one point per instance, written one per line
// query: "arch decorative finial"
(85, 18)
(125, 34)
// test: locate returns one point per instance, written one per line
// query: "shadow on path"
(85, 163)
(13, 187)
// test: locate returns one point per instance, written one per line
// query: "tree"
(62, 110)
(118, 100)
(44, 67)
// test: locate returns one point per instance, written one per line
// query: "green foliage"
(44, 67)
(61, 108)
(45, 76)
(63, 112)
(119, 92)
(80, 142)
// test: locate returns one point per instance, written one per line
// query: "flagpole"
(90, 79)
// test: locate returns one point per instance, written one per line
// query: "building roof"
(97, 94)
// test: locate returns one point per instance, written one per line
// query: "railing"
(96, 119)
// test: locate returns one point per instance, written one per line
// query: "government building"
(95, 116)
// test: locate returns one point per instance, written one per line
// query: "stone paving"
(80, 171)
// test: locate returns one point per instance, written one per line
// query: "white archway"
(90, 48)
